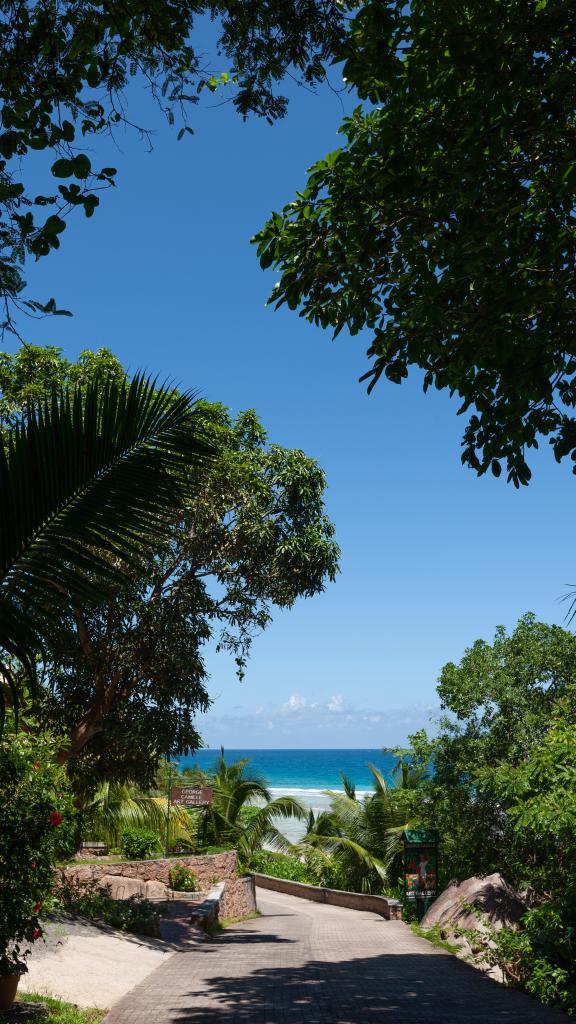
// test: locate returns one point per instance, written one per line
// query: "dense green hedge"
(315, 869)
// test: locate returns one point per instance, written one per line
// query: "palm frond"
(261, 829)
(380, 784)
(88, 482)
(342, 844)
(349, 786)
(115, 807)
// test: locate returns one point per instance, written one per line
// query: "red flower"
(36, 934)
(33, 865)
(37, 765)
(37, 908)
(55, 818)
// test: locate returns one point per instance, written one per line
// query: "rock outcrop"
(477, 905)
(493, 900)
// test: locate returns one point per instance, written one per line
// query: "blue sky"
(432, 557)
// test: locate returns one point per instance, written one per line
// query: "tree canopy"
(129, 675)
(66, 66)
(90, 480)
(445, 223)
(501, 700)
(502, 792)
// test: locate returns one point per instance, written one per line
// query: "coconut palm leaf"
(364, 837)
(349, 786)
(236, 788)
(336, 845)
(116, 806)
(87, 481)
(261, 829)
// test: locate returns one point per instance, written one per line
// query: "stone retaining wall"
(142, 877)
(209, 869)
(388, 908)
(238, 898)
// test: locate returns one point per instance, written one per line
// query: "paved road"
(306, 963)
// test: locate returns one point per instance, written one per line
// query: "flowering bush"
(182, 879)
(34, 804)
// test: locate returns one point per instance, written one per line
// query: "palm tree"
(88, 480)
(243, 812)
(116, 806)
(363, 837)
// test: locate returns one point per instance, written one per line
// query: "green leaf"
(81, 166)
(54, 225)
(62, 168)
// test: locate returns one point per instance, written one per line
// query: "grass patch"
(225, 922)
(434, 935)
(74, 862)
(203, 850)
(59, 1012)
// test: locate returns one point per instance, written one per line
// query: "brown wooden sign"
(188, 796)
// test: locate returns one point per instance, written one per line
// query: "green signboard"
(421, 867)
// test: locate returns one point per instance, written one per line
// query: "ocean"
(305, 774)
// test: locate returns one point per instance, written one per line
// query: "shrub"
(135, 914)
(182, 879)
(94, 902)
(325, 870)
(317, 868)
(541, 956)
(281, 865)
(35, 804)
(140, 843)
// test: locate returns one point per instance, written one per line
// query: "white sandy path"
(90, 965)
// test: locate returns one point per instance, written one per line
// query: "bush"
(135, 914)
(541, 956)
(182, 879)
(140, 843)
(281, 865)
(317, 868)
(35, 804)
(89, 900)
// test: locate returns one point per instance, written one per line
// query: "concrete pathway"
(306, 963)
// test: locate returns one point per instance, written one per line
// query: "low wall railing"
(389, 908)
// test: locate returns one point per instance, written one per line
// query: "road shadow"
(239, 936)
(58, 928)
(384, 989)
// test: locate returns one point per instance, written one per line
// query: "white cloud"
(301, 721)
(295, 702)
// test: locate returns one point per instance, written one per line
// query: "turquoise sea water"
(305, 774)
(304, 770)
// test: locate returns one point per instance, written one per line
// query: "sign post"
(191, 796)
(421, 867)
(166, 843)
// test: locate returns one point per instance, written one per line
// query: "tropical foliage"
(311, 866)
(243, 813)
(128, 675)
(444, 225)
(502, 792)
(90, 479)
(117, 809)
(35, 809)
(363, 837)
